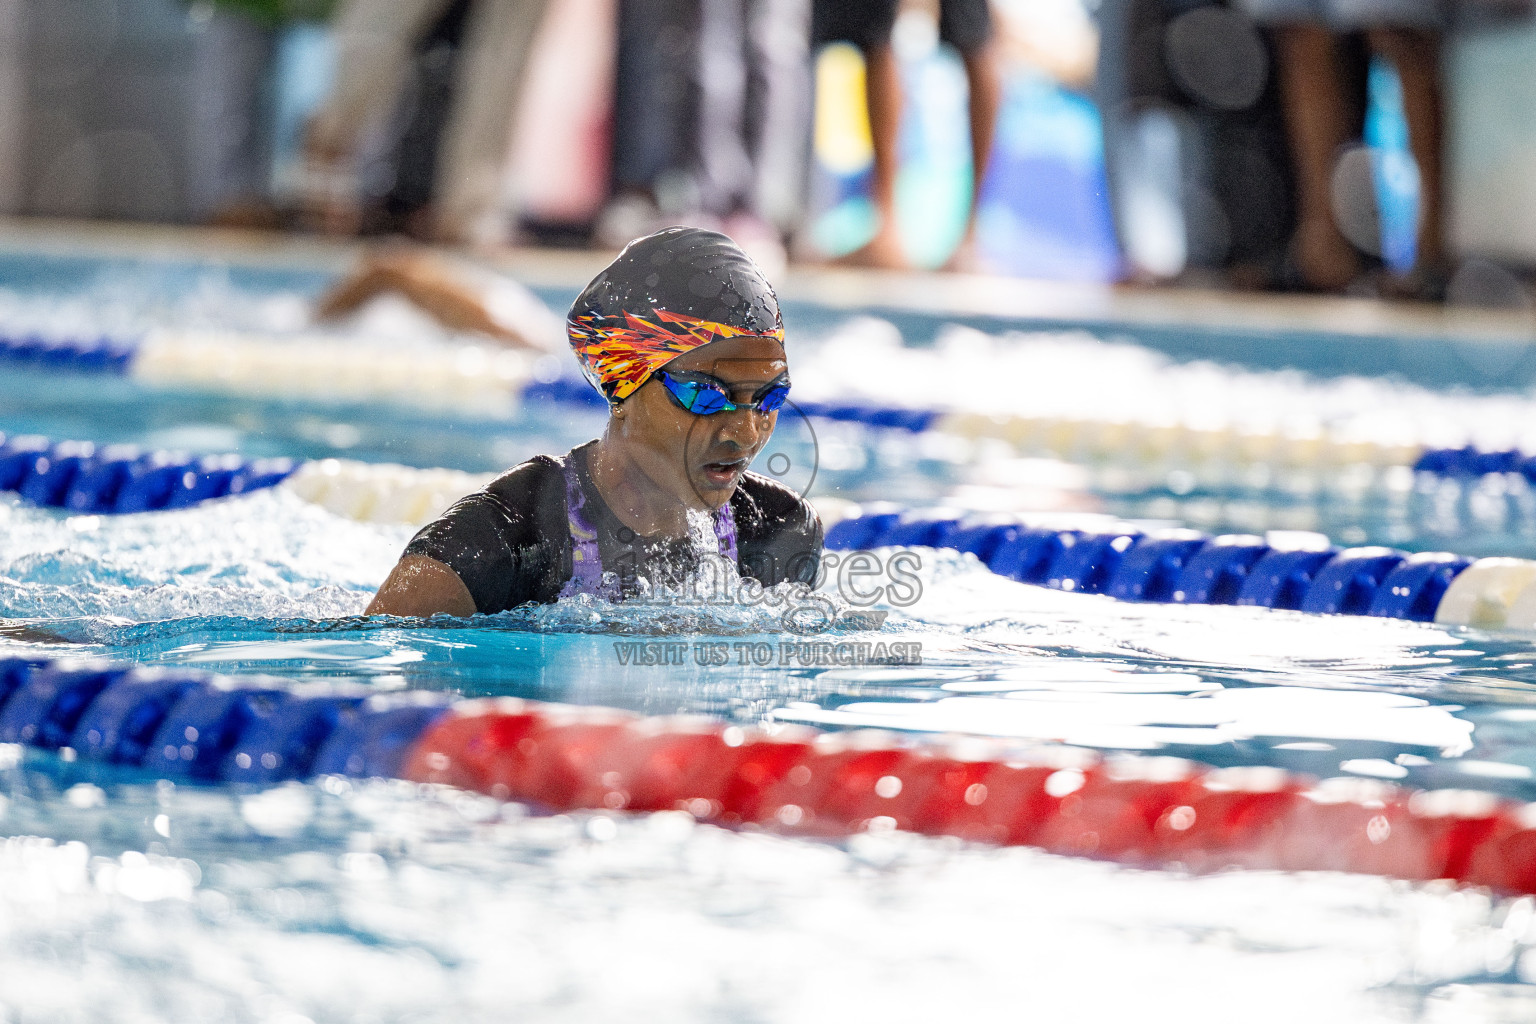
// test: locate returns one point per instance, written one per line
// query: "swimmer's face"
(701, 459)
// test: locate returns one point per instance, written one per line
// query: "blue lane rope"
(1462, 463)
(1177, 567)
(77, 355)
(116, 355)
(81, 477)
(195, 726)
(1182, 567)
(1470, 463)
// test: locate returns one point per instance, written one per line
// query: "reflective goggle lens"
(774, 400)
(706, 399)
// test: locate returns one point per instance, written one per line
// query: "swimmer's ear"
(616, 409)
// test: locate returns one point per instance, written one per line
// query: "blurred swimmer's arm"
(422, 586)
(461, 298)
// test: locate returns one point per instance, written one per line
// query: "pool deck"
(1433, 345)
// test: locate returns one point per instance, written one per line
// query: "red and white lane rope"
(1138, 810)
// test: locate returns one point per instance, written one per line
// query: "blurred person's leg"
(724, 168)
(967, 26)
(374, 42)
(867, 24)
(473, 201)
(882, 92)
(654, 105)
(1319, 122)
(562, 142)
(1127, 81)
(779, 110)
(407, 172)
(653, 102)
(230, 137)
(1416, 55)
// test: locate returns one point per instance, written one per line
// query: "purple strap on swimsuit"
(587, 560)
(725, 532)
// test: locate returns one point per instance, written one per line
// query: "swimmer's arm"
(419, 586)
(429, 283)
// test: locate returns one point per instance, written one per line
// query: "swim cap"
(664, 295)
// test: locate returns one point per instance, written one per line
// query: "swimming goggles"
(705, 399)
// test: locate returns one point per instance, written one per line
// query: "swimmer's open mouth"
(725, 471)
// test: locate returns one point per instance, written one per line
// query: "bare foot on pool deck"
(1324, 258)
(964, 259)
(883, 252)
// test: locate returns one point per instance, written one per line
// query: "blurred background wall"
(1492, 86)
(103, 97)
(163, 110)
(151, 110)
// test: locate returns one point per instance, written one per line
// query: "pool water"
(124, 898)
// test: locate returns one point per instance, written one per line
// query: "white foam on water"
(268, 554)
(395, 904)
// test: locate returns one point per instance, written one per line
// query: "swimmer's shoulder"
(506, 542)
(778, 533)
(761, 504)
(530, 486)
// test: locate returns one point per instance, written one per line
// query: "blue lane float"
(1282, 579)
(1413, 590)
(1347, 583)
(1470, 462)
(1181, 567)
(1459, 463)
(1216, 572)
(194, 726)
(47, 701)
(120, 724)
(1087, 561)
(109, 355)
(88, 479)
(1028, 555)
(1178, 566)
(1151, 570)
(76, 355)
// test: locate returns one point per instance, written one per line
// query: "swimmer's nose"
(747, 427)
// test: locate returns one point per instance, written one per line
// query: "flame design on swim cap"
(619, 353)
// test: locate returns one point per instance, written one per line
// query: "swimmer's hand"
(450, 296)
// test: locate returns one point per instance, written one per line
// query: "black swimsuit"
(511, 543)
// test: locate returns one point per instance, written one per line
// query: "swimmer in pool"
(684, 338)
(456, 293)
